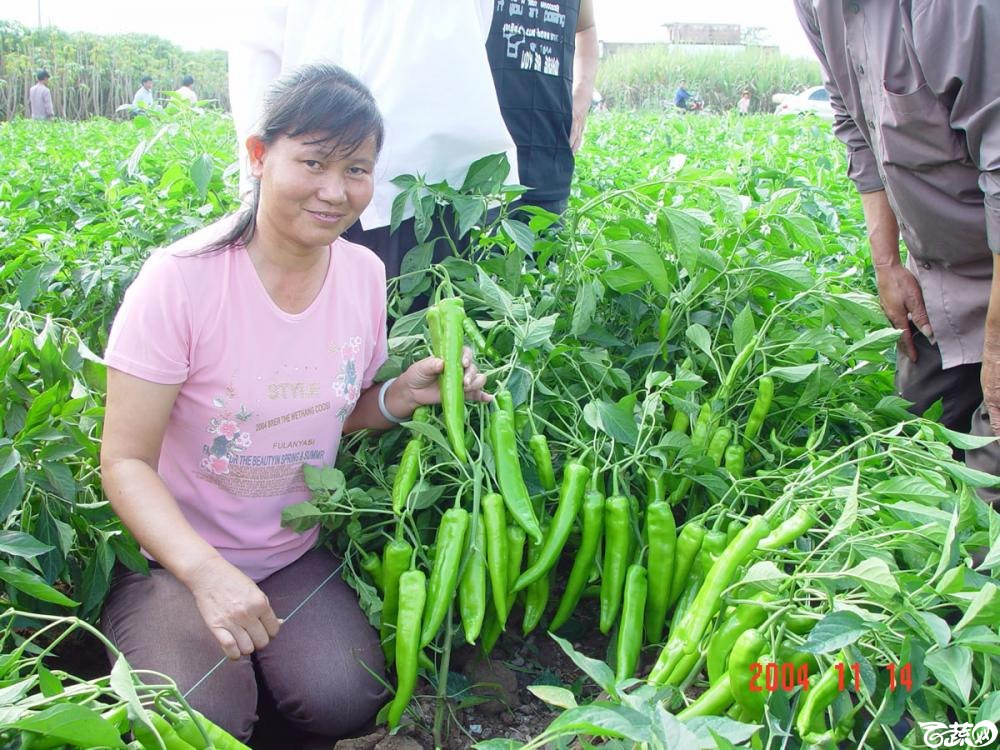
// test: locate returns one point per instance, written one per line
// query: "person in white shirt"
(186, 91)
(40, 98)
(143, 98)
(743, 105)
(425, 63)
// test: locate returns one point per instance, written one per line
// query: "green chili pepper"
(630, 628)
(396, 558)
(539, 446)
(784, 450)
(495, 521)
(372, 565)
(583, 561)
(536, 594)
(574, 484)
(505, 401)
(443, 582)
(508, 470)
(165, 735)
(663, 325)
(810, 721)
(735, 460)
(409, 464)
(617, 541)
(477, 338)
(733, 528)
(412, 596)
(688, 543)
(758, 413)
(713, 702)
(712, 546)
(516, 539)
(685, 636)
(746, 651)
(701, 432)
(743, 618)
(450, 381)
(661, 536)
(656, 488)
(472, 587)
(682, 420)
(789, 530)
(717, 448)
(187, 727)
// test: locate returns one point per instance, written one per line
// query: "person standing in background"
(186, 91)
(743, 105)
(40, 98)
(682, 96)
(915, 100)
(143, 98)
(544, 62)
(427, 68)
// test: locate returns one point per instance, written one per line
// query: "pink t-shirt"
(263, 392)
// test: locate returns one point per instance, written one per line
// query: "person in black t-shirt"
(544, 60)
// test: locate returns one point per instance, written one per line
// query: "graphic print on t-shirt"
(531, 33)
(275, 467)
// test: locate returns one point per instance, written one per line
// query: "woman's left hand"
(421, 378)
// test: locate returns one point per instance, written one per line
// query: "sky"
(196, 24)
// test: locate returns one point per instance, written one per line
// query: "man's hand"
(234, 608)
(903, 302)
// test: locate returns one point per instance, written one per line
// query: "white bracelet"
(381, 403)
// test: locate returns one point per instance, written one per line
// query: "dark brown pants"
(315, 669)
(923, 382)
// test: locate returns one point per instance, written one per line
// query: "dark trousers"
(315, 669)
(961, 393)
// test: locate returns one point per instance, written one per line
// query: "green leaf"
(534, 333)
(417, 259)
(613, 421)
(11, 492)
(763, 571)
(643, 256)
(60, 476)
(487, 174)
(201, 173)
(122, 683)
(918, 515)
(938, 626)
(41, 407)
(834, 632)
(951, 549)
(496, 744)
(34, 585)
(470, 210)
(584, 308)
(301, 517)
(849, 514)
(794, 374)
(559, 697)
(698, 335)
(21, 545)
(707, 728)
(960, 440)
(685, 232)
(744, 328)
(73, 724)
(518, 231)
(602, 720)
(596, 670)
(874, 574)
(983, 608)
(912, 488)
(431, 432)
(48, 683)
(989, 709)
(952, 667)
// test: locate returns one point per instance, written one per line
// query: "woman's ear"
(255, 154)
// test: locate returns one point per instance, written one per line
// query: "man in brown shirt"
(916, 98)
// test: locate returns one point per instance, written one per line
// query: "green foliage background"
(93, 74)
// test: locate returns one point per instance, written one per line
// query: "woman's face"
(309, 197)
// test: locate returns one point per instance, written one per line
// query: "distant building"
(689, 37)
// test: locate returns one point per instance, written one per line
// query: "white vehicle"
(813, 100)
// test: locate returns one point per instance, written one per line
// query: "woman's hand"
(421, 380)
(234, 608)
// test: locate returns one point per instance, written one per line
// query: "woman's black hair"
(322, 101)
(187, 81)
